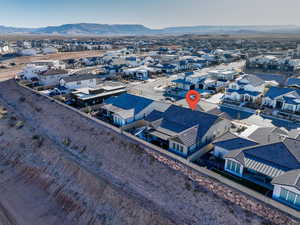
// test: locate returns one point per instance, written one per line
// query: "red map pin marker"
(192, 98)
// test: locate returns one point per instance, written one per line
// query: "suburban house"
(52, 76)
(182, 130)
(223, 74)
(212, 80)
(230, 142)
(273, 166)
(127, 108)
(287, 188)
(248, 88)
(190, 80)
(79, 81)
(293, 83)
(267, 135)
(89, 96)
(285, 99)
(31, 72)
(139, 73)
(56, 64)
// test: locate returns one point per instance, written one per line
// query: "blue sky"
(151, 13)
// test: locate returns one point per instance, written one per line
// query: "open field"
(23, 60)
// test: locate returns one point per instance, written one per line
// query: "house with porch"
(183, 131)
(274, 166)
(285, 99)
(248, 88)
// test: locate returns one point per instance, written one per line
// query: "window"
(233, 166)
(181, 149)
(290, 197)
(298, 201)
(283, 193)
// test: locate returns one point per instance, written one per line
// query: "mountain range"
(137, 29)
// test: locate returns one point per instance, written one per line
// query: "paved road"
(153, 88)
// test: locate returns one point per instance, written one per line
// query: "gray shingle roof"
(235, 143)
(267, 135)
(290, 178)
(189, 137)
(253, 80)
(73, 78)
(283, 156)
(274, 92)
(128, 102)
(178, 121)
(293, 82)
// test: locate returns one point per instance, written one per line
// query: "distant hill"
(94, 29)
(136, 29)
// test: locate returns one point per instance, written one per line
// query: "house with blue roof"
(230, 142)
(183, 131)
(127, 108)
(285, 99)
(274, 166)
(293, 83)
(248, 88)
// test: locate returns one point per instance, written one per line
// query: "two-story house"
(79, 81)
(52, 76)
(285, 99)
(248, 88)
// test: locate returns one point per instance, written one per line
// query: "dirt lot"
(23, 60)
(93, 175)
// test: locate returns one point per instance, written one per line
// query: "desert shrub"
(13, 118)
(35, 137)
(187, 185)
(22, 99)
(241, 129)
(67, 141)
(19, 124)
(267, 222)
(83, 148)
(38, 109)
(39, 139)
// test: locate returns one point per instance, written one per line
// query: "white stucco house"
(32, 72)
(52, 76)
(285, 99)
(248, 88)
(79, 81)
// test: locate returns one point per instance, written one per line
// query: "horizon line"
(204, 25)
